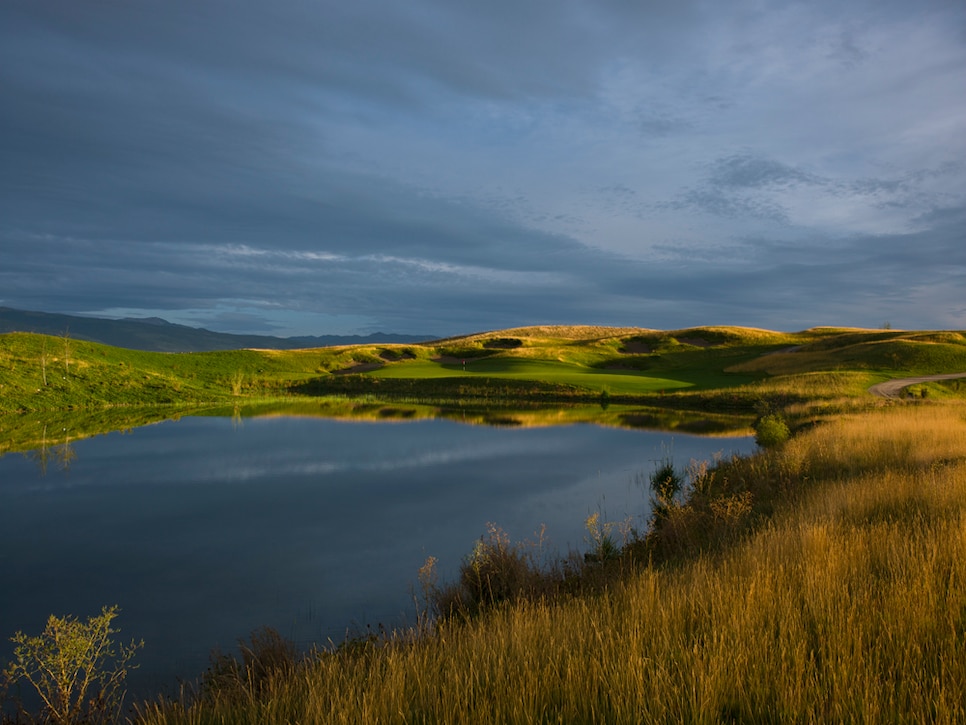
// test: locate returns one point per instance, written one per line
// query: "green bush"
(771, 431)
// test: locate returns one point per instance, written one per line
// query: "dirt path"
(893, 388)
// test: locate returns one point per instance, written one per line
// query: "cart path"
(893, 388)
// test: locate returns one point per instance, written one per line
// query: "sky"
(439, 167)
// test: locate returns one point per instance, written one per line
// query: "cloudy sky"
(447, 166)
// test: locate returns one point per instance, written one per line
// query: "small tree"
(75, 667)
(66, 353)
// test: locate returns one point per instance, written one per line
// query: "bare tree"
(43, 360)
(66, 353)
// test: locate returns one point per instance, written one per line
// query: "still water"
(204, 529)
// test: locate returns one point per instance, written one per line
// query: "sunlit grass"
(616, 382)
(891, 437)
(39, 372)
(882, 351)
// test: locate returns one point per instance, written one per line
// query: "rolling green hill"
(706, 366)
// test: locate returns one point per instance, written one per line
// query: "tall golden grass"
(848, 605)
(903, 437)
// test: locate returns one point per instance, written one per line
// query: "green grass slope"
(39, 372)
(706, 365)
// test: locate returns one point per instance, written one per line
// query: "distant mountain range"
(158, 335)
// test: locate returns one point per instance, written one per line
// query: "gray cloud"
(745, 171)
(661, 125)
(743, 186)
(441, 166)
(720, 203)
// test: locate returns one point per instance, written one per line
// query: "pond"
(204, 529)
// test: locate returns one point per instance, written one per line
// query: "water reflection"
(205, 528)
(62, 453)
(50, 436)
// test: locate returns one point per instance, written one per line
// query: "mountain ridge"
(155, 334)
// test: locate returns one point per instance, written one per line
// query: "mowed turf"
(613, 381)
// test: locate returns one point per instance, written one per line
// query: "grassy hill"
(709, 367)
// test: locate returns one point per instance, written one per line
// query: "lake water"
(204, 529)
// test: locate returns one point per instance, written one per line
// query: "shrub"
(75, 668)
(503, 343)
(771, 431)
(266, 655)
(497, 571)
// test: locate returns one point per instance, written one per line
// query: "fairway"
(552, 371)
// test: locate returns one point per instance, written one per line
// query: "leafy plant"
(75, 667)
